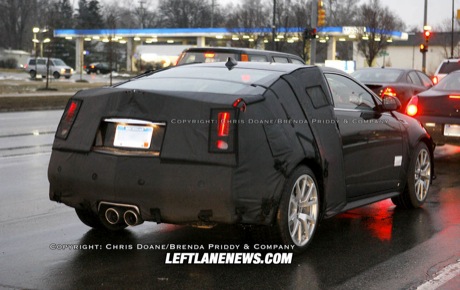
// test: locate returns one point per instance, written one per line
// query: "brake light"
(454, 97)
(388, 92)
(412, 106)
(209, 55)
(223, 127)
(435, 80)
(222, 131)
(71, 112)
(68, 118)
(244, 57)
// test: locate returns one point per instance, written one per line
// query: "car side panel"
(315, 100)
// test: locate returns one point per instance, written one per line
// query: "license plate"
(452, 130)
(133, 136)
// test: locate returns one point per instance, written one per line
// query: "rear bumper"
(436, 128)
(169, 192)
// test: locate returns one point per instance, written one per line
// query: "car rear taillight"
(457, 97)
(222, 134)
(244, 57)
(223, 124)
(388, 92)
(435, 80)
(68, 118)
(412, 106)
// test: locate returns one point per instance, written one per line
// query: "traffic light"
(309, 33)
(423, 48)
(321, 14)
(427, 35)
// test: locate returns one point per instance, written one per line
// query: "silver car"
(57, 67)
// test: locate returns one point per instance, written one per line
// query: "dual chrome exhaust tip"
(121, 213)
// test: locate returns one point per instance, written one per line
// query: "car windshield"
(377, 75)
(450, 83)
(448, 67)
(218, 80)
(58, 62)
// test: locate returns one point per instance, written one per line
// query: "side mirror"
(391, 103)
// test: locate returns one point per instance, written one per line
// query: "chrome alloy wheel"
(303, 210)
(422, 174)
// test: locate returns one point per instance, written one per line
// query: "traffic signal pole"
(424, 25)
(314, 21)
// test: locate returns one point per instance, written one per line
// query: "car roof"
(271, 66)
(239, 50)
(386, 69)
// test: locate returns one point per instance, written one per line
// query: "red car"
(400, 83)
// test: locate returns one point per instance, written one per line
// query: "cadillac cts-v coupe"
(279, 145)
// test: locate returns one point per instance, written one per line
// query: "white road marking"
(442, 277)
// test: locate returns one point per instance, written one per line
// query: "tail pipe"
(115, 213)
(112, 216)
(131, 218)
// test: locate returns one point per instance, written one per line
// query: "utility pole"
(314, 22)
(274, 25)
(425, 24)
(212, 13)
(452, 34)
(141, 2)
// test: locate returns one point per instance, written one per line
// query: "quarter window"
(414, 78)
(280, 59)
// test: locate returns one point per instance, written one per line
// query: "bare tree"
(447, 38)
(15, 21)
(251, 22)
(379, 22)
(184, 13)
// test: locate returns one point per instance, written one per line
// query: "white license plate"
(133, 136)
(452, 130)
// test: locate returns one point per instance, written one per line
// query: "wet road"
(374, 247)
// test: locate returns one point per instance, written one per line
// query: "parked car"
(57, 67)
(215, 54)
(400, 83)
(98, 68)
(438, 109)
(280, 145)
(445, 67)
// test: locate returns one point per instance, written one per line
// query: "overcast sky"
(412, 11)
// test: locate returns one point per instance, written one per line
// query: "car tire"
(56, 75)
(418, 179)
(33, 74)
(299, 210)
(89, 218)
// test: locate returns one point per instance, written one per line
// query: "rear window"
(448, 67)
(217, 80)
(210, 56)
(450, 82)
(377, 75)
